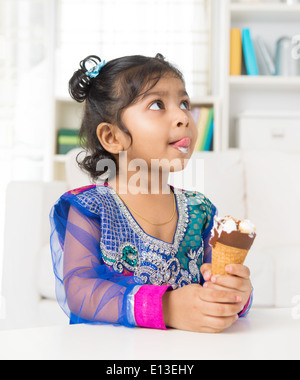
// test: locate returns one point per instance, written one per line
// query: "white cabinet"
(254, 94)
(275, 131)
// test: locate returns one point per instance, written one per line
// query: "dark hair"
(119, 83)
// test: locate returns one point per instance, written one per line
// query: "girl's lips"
(182, 145)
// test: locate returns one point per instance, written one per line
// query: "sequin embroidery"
(126, 247)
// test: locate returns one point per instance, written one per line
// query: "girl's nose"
(181, 119)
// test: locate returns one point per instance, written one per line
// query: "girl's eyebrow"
(163, 93)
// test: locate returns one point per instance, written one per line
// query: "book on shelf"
(264, 57)
(249, 53)
(205, 125)
(67, 140)
(236, 52)
(242, 50)
(207, 141)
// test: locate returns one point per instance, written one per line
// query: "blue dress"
(102, 257)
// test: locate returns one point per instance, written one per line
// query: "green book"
(68, 139)
(207, 129)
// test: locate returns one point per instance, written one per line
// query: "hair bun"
(160, 57)
(80, 83)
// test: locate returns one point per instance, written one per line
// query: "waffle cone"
(223, 255)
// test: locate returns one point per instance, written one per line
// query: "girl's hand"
(237, 280)
(198, 309)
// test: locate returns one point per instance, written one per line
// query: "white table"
(265, 334)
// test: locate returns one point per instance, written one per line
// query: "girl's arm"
(89, 291)
(92, 292)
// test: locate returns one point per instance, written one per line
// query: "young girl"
(136, 253)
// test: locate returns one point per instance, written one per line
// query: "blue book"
(249, 53)
(207, 130)
(209, 136)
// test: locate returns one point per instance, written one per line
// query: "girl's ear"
(110, 138)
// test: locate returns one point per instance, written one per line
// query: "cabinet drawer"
(270, 132)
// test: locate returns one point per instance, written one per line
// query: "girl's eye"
(185, 105)
(156, 106)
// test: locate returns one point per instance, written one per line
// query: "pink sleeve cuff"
(148, 311)
(247, 307)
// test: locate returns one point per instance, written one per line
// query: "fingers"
(238, 270)
(219, 296)
(230, 282)
(195, 308)
(217, 324)
(237, 281)
(205, 267)
(206, 271)
(233, 269)
(222, 310)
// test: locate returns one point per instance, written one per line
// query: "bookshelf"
(265, 12)
(68, 115)
(253, 94)
(212, 102)
(262, 82)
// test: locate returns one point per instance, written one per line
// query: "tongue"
(183, 143)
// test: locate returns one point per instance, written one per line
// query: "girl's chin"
(173, 160)
(177, 164)
(182, 150)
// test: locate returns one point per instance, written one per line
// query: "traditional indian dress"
(109, 270)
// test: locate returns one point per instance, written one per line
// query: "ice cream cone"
(223, 255)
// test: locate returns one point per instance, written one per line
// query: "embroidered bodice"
(127, 248)
(102, 257)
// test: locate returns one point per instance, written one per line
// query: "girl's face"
(161, 125)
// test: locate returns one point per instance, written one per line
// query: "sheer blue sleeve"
(211, 212)
(87, 290)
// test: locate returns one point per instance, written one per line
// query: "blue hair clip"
(94, 72)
